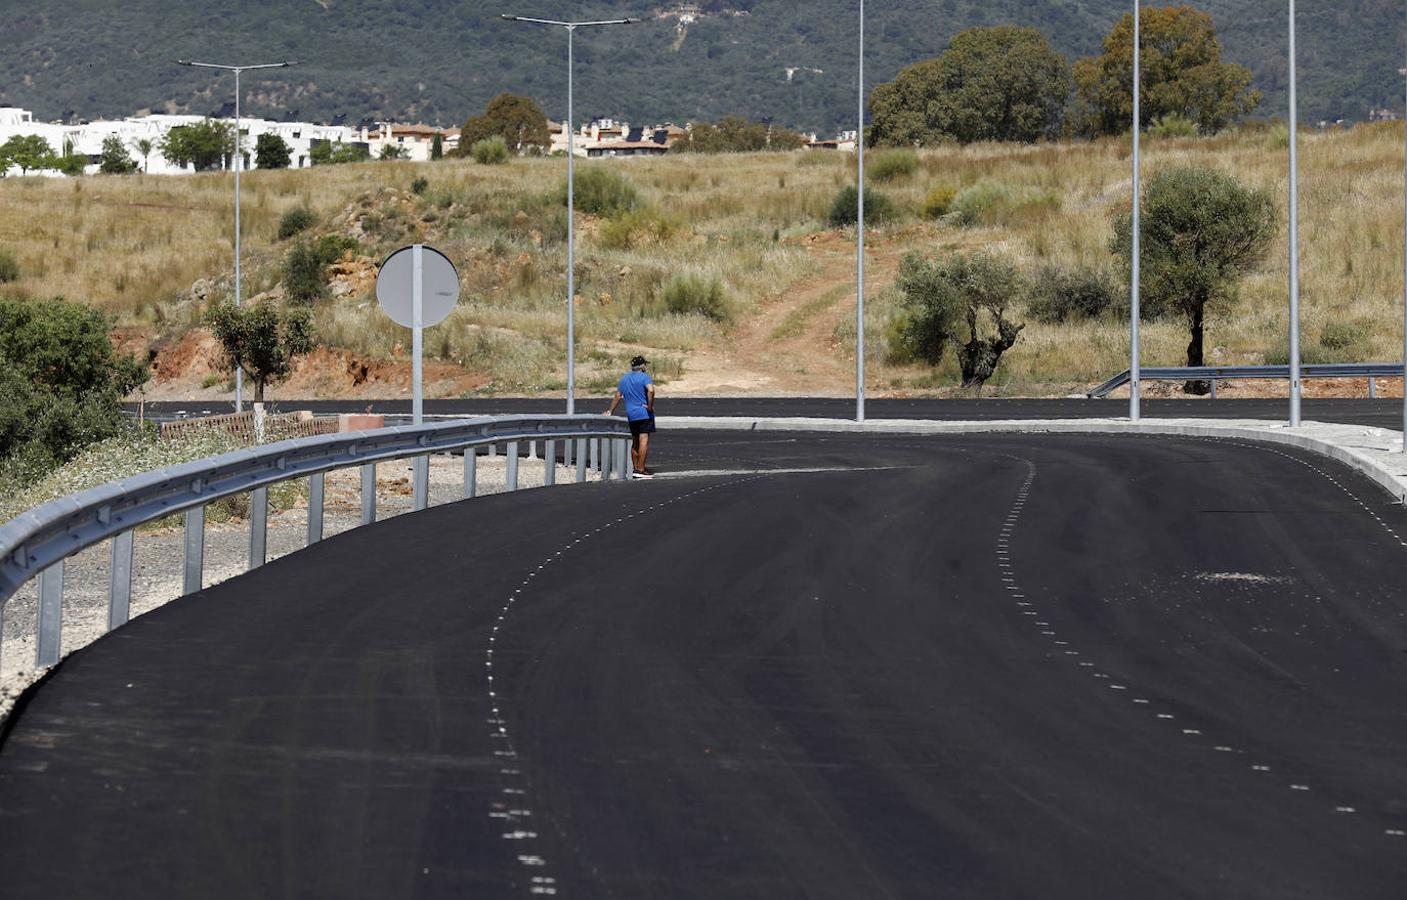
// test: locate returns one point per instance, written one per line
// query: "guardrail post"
(1372, 388)
(369, 494)
(549, 463)
(580, 460)
(1213, 388)
(593, 450)
(608, 451)
(623, 459)
(471, 472)
(258, 527)
(194, 556)
(316, 490)
(567, 446)
(532, 449)
(51, 610)
(119, 592)
(421, 481)
(512, 453)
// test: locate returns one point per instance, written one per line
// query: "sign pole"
(417, 307)
(417, 313)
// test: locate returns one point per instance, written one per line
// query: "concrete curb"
(1375, 452)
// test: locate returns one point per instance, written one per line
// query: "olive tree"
(960, 300)
(1202, 231)
(262, 339)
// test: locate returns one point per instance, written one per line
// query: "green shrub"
(304, 273)
(305, 266)
(60, 384)
(9, 266)
(420, 185)
(694, 293)
(1172, 126)
(879, 209)
(295, 221)
(891, 164)
(977, 204)
(601, 192)
(1064, 295)
(993, 203)
(938, 201)
(1347, 338)
(490, 151)
(332, 247)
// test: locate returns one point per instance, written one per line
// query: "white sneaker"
(640, 476)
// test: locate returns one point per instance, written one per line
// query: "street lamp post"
(238, 165)
(1135, 385)
(1294, 235)
(860, 237)
(571, 28)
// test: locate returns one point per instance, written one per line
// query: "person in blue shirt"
(637, 391)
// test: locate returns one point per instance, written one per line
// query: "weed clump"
(694, 293)
(602, 192)
(638, 228)
(892, 165)
(990, 203)
(1173, 126)
(491, 151)
(938, 202)
(1349, 339)
(9, 267)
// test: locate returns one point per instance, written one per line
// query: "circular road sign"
(395, 287)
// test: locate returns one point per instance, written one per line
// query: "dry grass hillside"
(727, 274)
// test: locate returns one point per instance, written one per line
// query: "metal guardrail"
(1214, 374)
(37, 542)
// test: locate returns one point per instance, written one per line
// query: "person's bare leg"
(644, 451)
(635, 452)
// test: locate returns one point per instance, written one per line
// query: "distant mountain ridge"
(440, 61)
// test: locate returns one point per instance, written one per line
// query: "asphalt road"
(1005, 667)
(1384, 413)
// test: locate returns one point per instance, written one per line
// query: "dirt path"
(787, 344)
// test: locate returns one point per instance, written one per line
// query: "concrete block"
(359, 422)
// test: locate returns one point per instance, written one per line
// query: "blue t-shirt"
(632, 387)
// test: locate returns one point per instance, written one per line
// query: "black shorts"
(642, 426)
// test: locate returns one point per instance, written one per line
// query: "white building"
(87, 139)
(415, 142)
(609, 138)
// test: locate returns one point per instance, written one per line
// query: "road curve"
(1025, 666)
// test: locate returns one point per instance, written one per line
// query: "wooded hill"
(441, 60)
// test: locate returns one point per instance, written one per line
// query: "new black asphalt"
(1005, 667)
(1384, 413)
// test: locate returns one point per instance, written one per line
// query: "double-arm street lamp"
(571, 28)
(238, 164)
